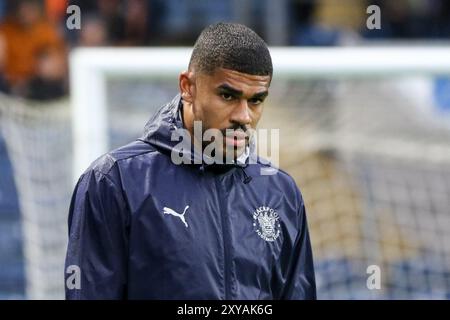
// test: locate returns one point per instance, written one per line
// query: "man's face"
(226, 99)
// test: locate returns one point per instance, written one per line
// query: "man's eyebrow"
(238, 93)
(230, 90)
(260, 95)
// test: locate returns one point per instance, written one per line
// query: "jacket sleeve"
(96, 260)
(300, 280)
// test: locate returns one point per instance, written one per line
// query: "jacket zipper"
(226, 241)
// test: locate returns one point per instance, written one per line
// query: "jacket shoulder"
(106, 162)
(283, 178)
(268, 168)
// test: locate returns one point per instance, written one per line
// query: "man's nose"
(241, 113)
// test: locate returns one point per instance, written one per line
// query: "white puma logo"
(176, 214)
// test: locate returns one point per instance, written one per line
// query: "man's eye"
(226, 96)
(255, 101)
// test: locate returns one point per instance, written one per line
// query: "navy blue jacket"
(141, 227)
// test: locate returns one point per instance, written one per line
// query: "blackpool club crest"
(266, 224)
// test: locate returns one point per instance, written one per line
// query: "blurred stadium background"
(369, 150)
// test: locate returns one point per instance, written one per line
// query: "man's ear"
(187, 86)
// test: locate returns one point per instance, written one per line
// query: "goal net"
(365, 132)
(39, 145)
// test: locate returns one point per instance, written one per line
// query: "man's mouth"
(235, 142)
(237, 139)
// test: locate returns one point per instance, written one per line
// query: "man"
(144, 227)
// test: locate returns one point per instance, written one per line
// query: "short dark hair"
(231, 46)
